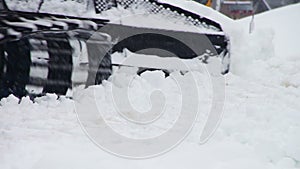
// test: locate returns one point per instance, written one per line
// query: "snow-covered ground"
(260, 127)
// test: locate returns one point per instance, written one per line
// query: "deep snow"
(271, 53)
(260, 127)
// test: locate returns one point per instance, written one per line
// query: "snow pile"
(64, 7)
(30, 6)
(131, 59)
(259, 129)
(271, 53)
(139, 90)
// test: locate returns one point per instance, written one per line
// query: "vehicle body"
(61, 64)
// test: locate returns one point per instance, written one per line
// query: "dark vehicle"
(24, 32)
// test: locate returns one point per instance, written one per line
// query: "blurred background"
(240, 8)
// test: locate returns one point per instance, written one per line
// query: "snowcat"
(54, 66)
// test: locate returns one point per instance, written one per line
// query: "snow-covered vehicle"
(23, 32)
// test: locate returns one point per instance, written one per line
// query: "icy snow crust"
(260, 127)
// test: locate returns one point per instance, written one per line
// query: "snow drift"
(271, 53)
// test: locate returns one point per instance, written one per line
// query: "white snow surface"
(271, 53)
(260, 127)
